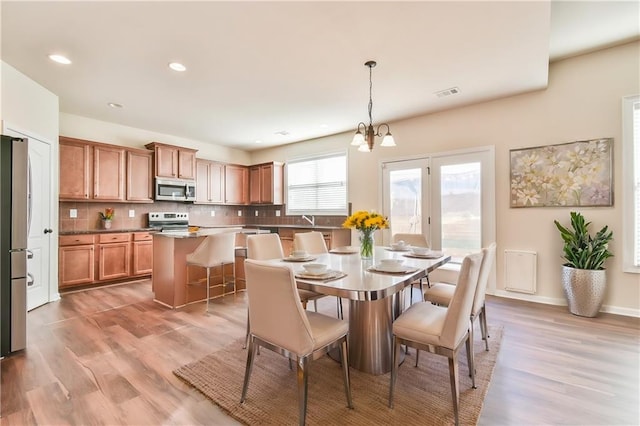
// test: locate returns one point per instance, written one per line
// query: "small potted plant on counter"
(583, 275)
(107, 217)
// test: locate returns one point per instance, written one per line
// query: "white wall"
(76, 126)
(582, 101)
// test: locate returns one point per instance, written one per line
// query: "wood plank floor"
(106, 356)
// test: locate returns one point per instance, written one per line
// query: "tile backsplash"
(88, 217)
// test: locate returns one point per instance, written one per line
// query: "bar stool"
(215, 250)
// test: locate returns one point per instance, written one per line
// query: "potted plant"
(106, 217)
(583, 275)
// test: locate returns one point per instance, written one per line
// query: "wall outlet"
(277, 213)
(132, 213)
(256, 213)
(73, 213)
(213, 213)
(239, 212)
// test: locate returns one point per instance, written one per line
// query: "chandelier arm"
(378, 133)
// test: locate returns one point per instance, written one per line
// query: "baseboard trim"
(628, 312)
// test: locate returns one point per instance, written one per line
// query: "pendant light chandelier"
(365, 135)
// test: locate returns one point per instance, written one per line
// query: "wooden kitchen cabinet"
(113, 256)
(76, 260)
(210, 182)
(266, 183)
(139, 176)
(142, 254)
(75, 175)
(173, 161)
(236, 184)
(108, 173)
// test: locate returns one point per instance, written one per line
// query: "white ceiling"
(259, 68)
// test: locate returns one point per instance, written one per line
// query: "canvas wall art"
(565, 175)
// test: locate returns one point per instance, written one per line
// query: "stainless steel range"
(169, 221)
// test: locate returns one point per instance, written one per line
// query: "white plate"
(344, 250)
(324, 276)
(430, 255)
(299, 259)
(391, 268)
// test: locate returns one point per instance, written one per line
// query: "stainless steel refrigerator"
(14, 212)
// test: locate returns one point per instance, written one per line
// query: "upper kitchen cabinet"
(139, 176)
(236, 184)
(173, 161)
(91, 171)
(265, 183)
(210, 179)
(75, 173)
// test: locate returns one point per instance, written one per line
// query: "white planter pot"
(584, 290)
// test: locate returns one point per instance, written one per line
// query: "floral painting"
(571, 174)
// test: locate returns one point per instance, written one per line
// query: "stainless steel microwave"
(175, 189)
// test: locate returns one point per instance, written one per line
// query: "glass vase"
(366, 245)
(106, 223)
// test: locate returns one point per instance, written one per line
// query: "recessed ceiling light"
(177, 66)
(60, 59)
(324, 126)
(114, 105)
(258, 141)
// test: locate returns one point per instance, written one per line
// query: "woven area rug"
(423, 394)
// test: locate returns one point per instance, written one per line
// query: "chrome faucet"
(312, 221)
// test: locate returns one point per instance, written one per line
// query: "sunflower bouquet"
(366, 223)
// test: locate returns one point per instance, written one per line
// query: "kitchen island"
(175, 284)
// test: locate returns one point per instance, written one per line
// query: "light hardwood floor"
(106, 356)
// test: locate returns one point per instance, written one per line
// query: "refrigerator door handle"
(29, 254)
(30, 279)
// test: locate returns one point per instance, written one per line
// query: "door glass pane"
(460, 189)
(405, 192)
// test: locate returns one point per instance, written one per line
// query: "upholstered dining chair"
(441, 293)
(416, 240)
(441, 330)
(283, 326)
(215, 250)
(313, 243)
(267, 247)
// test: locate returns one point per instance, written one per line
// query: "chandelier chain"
(370, 98)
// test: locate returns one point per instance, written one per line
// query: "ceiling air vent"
(447, 92)
(282, 133)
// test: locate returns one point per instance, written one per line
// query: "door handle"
(48, 230)
(30, 280)
(29, 254)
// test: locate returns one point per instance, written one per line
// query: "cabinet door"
(186, 164)
(216, 183)
(139, 176)
(166, 161)
(202, 182)
(74, 175)
(108, 173)
(236, 184)
(113, 261)
(142, 262)
(255, 190)
(76, 265)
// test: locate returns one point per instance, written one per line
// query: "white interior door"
(39, 221)
(405, 195)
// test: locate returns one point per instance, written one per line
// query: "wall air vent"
(447, 92)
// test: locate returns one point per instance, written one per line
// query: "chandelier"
(365, 135)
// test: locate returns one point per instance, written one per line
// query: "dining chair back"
(441, 330)
(311, 242)
(215, 250)
(264, 247)
(281, 325)
(417, 240)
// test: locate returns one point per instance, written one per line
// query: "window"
(631, 183)
(317, 185)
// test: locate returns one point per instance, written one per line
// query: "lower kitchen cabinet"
(97, 258)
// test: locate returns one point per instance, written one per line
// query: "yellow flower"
(363, 220)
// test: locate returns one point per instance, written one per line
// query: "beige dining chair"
(283, 326)
(313, 243)
(416, 240)
(441, 330)
(268, 247)
(441, 293)
(215, 250)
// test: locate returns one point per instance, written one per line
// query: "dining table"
(375, 296)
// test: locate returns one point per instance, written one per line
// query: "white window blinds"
(317, 185)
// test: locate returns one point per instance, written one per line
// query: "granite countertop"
(106, 231)
(296, 226)
(203, 232)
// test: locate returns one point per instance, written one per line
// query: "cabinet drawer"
(75, 240)
(142, 236)
(114, 238)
